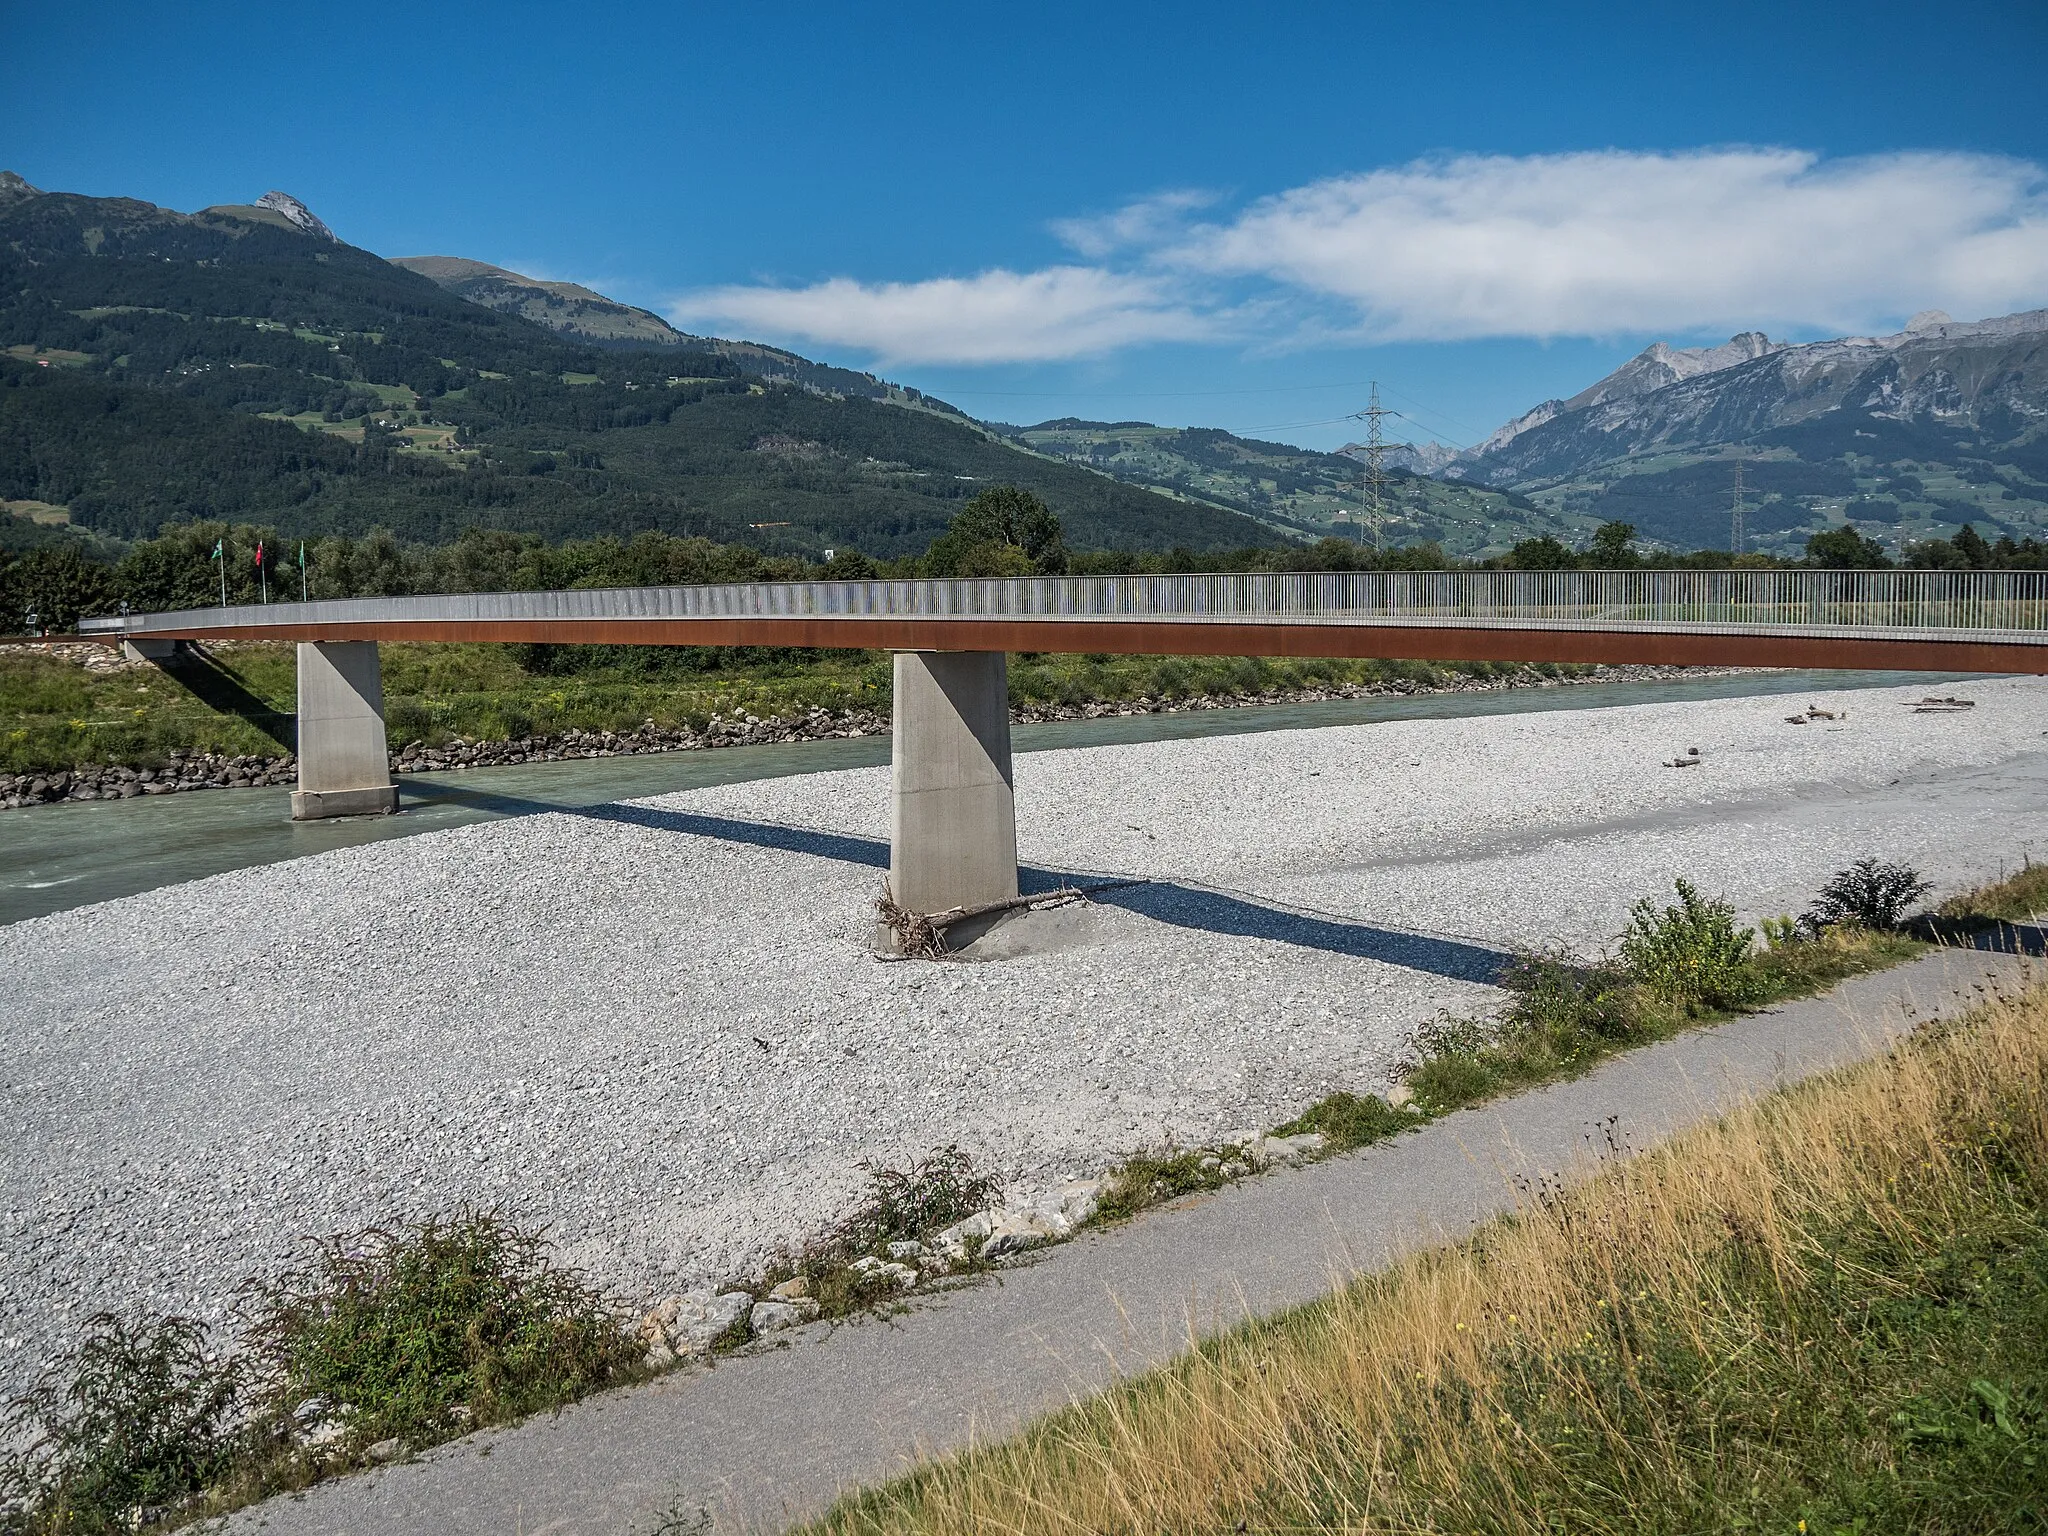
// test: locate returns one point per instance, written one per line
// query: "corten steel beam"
(1189, 637)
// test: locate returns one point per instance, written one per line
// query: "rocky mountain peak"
(13, 189)
(297, 213)
(1929, 319)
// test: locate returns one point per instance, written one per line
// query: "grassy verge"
(1824, 1315)
(1679, 967)
(239, 699)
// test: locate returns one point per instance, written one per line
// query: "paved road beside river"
(657, 1026)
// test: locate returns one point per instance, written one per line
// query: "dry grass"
(1824, 1313)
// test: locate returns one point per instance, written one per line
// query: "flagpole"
(262, 575)
(302, 570)
(220, 548)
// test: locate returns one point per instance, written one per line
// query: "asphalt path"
(757, 1441)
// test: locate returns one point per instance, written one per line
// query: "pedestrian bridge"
(953, 829)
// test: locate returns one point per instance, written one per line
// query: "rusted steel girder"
(1143, 637)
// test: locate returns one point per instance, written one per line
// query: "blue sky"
(1188, 213)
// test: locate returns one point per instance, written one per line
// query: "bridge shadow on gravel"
(1163, 901)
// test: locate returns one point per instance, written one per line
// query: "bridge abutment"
(953, 819)
(344, 767)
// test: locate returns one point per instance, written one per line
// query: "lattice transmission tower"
(1735, 514)
(1375, 478)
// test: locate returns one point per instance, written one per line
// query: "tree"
(1844, 549)
(1614, 546)
(1544, 554)
(1002, 531)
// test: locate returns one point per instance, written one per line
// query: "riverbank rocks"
(774, 1316)
(1285, 1151)
(179, 773)
(891, 1270)
(1014, 1227)
(690, 1323)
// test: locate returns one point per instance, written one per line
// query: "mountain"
(588, 316)
(1908, 435)
(566, 307)
(1299, 489)
(243, 362)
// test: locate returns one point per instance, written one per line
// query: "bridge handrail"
(2009, 603)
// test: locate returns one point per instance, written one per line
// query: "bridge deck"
(1989, 621)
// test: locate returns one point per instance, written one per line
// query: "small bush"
(1691, 953)
(1555, 991)
(418, 1331)
(1448, 1034)
(135, 1423)
(1868, 894)
(909, 1204)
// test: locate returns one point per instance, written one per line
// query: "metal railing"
(2009, 605)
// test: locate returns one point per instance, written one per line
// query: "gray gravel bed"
(658, 1027)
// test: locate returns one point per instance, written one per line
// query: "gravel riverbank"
(657, 1025)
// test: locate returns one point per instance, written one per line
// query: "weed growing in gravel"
(1347, 1120)
(1966, 918)
(129, 1430)
(1154, 1178)
(421, 1331)
(1868, 894)
(911, 1204)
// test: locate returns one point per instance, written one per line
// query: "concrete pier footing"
(142, 648)
(344, 768)
(953, 819)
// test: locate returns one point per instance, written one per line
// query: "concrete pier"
(953, 817)
(163, 652)
(344, 768)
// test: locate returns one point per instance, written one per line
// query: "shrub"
(1870, 894)
(911, 1203)
(1691, 953)
(134, 1423)
(1555, 991)
(417, 1331)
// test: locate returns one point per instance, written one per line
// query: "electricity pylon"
(1375, 481)
(1735, 514)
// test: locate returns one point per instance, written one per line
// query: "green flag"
(217, 543)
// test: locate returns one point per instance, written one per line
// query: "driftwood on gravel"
(922, 935)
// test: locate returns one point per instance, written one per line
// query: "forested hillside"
(158, 367)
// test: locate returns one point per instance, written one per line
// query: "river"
(56, 857)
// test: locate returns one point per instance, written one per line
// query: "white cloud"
(1612, 241)
(1598, 243)
(1148, 221)
(994, 317)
